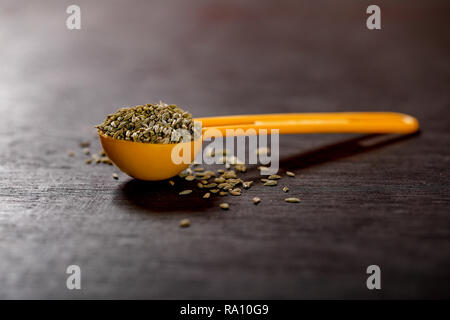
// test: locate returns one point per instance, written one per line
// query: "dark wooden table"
(365, 200)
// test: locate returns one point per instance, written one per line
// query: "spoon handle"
(340, 122)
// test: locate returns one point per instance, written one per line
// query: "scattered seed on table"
(206, 195)
(210, 173)
(105, 160)
(184, 223)
(103, 153)
(185, 192)
(224, 206)
(256, 200)
(115, 176)
(86, 151)
(219, 180)
(247, 184)
(285, 189)
(271, 183)
(274, 177)
(71, 153)
(290, 174)
(200, 185)
(234, 182)
(214, 190)
(88, 161)
(231, 174)
(292, 200)
(171, 183)
(235, 192)
(240, 167)
(85, 144)
(199, 169)
(189, 178)
(223, 193)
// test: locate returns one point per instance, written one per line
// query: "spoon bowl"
(146, 161)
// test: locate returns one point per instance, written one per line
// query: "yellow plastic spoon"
(147, 161)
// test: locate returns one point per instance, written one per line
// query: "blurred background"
(221, 58)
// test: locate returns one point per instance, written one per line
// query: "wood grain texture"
(365, 199)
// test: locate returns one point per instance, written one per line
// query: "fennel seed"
(231, 174)
(224, 206)
(219, 180)
(235, 192)
(240, 167)
(184, 223)
(247, 184)
(210, 173)
(290, 174)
